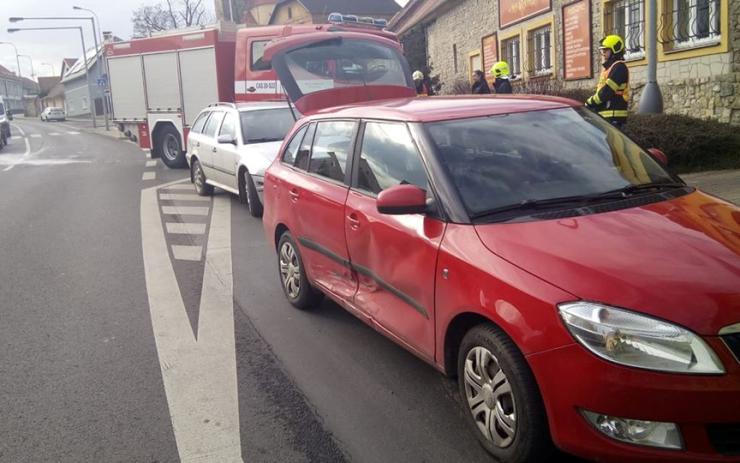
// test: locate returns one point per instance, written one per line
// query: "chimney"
(107, 36)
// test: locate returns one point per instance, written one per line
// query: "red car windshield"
(508, 160)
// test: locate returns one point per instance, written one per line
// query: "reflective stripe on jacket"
(613, 92)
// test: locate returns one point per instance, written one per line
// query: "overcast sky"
(52, 46)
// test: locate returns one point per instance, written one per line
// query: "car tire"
(3, 141)
(500, 397)
(293, 277)
(249, 193)
(170, 148)
(199, 180)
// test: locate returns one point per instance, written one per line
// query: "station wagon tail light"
(636, 340)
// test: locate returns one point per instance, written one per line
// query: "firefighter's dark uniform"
(612, 92)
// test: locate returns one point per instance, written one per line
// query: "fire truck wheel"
(170, 150)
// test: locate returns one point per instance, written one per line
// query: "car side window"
(290, 152)
(213, 122)
(304, 153)
(229, 126)
(332, 147)
(388, 158)
(200, 122)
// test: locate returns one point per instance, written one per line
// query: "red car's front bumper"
(571, 378)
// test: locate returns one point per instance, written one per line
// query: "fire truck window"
(200, 122)
(213, 122)
(258, 51)
(331, 148)
(290, 152)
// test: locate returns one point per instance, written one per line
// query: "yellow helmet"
(500, 69)
(417, 75)
(613, 43)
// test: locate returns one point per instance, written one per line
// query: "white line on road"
(183, 197)
(152, 163)
(179, 186)
(184, 210)
(199, 375)
(186, 228)
(54, 134)
(149, 176)
(25, 154)
(191, 253)
(35, 135)
(73, 133)
(20, 130)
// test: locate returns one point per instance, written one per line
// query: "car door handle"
(294, 195)
(354, 222)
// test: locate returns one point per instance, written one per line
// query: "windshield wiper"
(528, 204)
(632, 189)
(263, 140)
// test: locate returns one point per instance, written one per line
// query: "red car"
(583, 296)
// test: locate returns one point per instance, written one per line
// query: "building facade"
(248, 12)
(554, 43)
(11, 89)
(76, 96)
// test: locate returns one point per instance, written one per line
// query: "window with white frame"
(511, 54)
(539, 48)
(695, 23)
(626, 18)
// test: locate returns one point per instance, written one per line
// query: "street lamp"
(105, 60)
(17, 61)
(651, 100)
(84, 54)
(95, 39)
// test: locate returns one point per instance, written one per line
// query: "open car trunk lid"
(326, 69)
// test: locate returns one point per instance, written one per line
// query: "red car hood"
(678, 260)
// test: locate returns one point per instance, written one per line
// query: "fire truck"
(159, 84)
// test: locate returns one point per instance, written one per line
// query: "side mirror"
(659, 156)
(226, 140)
(402, 199)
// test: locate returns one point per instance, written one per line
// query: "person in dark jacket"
(423, 84)
(612, 92)
(500, 72)
(480, 86)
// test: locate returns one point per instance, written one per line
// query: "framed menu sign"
(514, 11)
(577, 40)
(489, 48)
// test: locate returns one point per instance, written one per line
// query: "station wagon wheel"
(293, 278)
(249, 192)
(500, 396)
(199, 180)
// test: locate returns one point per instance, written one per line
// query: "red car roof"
(431, 109)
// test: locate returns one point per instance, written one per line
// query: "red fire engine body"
(159, 84)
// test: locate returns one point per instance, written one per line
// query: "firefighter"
(422, 84)
(500, 72)
(480, 86)
(612, 92)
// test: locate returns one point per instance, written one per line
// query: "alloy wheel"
(490, 397)
(170, 146)
(199, 177)
(290, 270)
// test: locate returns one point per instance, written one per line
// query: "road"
(143, 323)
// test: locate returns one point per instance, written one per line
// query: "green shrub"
(690, 144)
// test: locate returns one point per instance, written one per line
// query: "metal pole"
(651, 100)
(100, 71)
(87, 78)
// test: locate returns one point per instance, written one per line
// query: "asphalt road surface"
(142, 323)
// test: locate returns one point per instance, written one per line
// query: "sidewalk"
(722, 183)
(87, 125)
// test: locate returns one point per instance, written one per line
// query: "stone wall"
(706, 86)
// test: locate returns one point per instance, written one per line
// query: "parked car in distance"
(53, 114)
(230, 146)
(581, 294)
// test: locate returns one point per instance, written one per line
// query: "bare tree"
(169, 14)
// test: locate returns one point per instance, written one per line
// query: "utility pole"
(651, 100)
